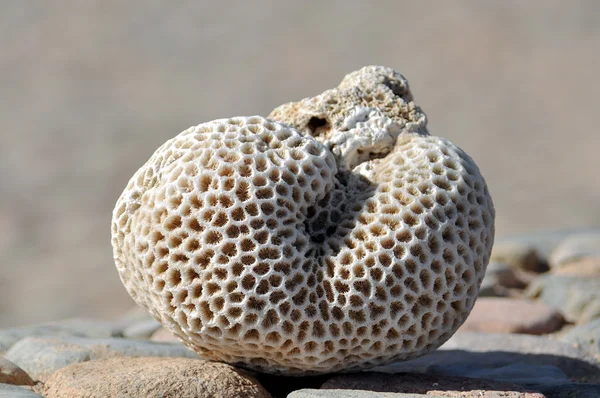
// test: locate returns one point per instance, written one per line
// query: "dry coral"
(336, 235)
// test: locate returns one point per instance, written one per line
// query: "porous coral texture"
(261, 247)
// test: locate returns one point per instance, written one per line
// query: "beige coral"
(361, 118)
(263, 247)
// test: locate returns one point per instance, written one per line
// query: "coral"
(281, 249)
(361, 118)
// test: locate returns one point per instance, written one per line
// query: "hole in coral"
(317, 126)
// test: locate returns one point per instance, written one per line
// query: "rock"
(576, 247)
(411, 383)
(585, 337)
(575, 390)
(544, 242)
(576, 297)
(498, 279)
(150, 376)
(281, 386)
(519, 256)
(79, 327)
(164, 334)
(41, 357)
(11, 391)
(142, 330)
(589, 266)
(473, 350)
(524, 375)
(312, 393)
(12, 374)
(134, 316)
(512, 315)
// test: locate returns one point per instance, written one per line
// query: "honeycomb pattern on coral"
(247, 241)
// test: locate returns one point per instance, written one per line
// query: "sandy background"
(88, 90)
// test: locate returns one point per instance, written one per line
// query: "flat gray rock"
(10, 391)
(79, 327)
(577, 297)
(413, 383)
(523, 375)
(585, 336)
(471, 350)
(41, 357)
(312, 393)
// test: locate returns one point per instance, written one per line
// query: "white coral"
(250, 243)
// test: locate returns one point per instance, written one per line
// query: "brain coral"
(346, 238)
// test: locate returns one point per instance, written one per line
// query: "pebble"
(519, 255)
(577, 297)
(12, 374)
(544, 241)
(11, 391)
(142, 330)
(585, 336)
(576, 247)
(80, 327)
(41, 357)
(472, 350)
(134, 316)
(589, 266)
(164, 334)
(337, 393)
(411, 383)
(499, 279)
(512, 315)
(152, 377)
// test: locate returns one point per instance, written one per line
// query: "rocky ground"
(534, 332)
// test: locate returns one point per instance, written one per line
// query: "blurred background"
(88, 90)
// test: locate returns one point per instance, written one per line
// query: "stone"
(573, 390)
(412, 383)
(512, 315)
(576, 247)
(151, 376)
(585, 336)
(577, 297)
(12, 374)
(524, 375)
(12, 391)
(142, 330)
(588, 266)
(499, 279)
(313, 393)
(41, 357)
(132, 317)
(544, 242)
(164, 334)
(519, 255)
(79, 327)
(473, 350)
